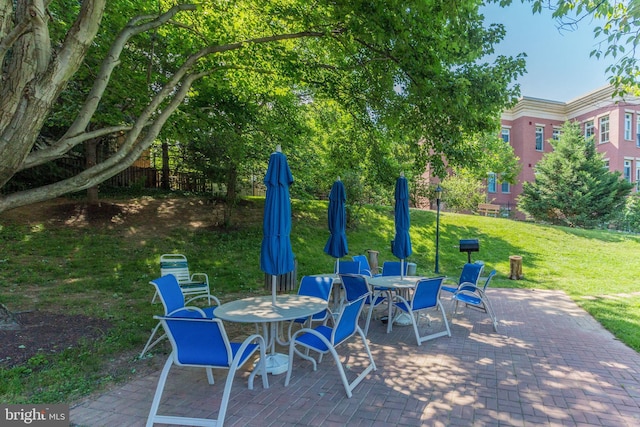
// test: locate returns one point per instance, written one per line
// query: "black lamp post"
(438, 194)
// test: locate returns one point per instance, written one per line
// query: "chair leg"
(368, 322)
(149, 345)
(492, 314)
(153, 412)
(444, 318)
(348, 387)
(210, 376)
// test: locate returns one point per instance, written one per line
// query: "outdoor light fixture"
(438, 194)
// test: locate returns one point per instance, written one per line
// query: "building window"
(506, 188)
(604, 129)
(627, 170)
(491, 182)
(556, 134)
(589, 129)
(638, 131)
(606, 164)
(627, 126)
(539, 138)
(637, 175)
(506, 135)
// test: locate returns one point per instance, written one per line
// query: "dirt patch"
(41, 332)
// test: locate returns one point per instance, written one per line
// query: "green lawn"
(104, 272)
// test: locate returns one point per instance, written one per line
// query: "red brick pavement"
(550, 364)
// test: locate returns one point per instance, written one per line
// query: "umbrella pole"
(402, 268)
(273, 289)
(337, 265)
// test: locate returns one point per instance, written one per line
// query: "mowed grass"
(105, 272)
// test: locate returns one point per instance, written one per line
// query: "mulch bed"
(46, 333)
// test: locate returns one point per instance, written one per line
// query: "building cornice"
(563, 111)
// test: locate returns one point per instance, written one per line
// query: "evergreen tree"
(573, 187)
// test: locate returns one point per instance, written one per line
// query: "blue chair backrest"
(170, 292)
(199, 342)
(392, 268)
(316, 286)
(486, 283)
(347, 267)
(347, 322)
(364, 264)
(471, 273)
(355, 286)
(426, 293)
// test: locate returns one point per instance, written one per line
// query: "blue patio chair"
(392, 268)
(314, 286)
(476, 297)
(172, 297)
(324, 339)
(365, 268)
(424, 298)
(469, 276)
(357, 282)
(203, 343)
(347, 267)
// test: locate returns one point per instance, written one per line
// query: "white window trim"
(600, 141)
(536, 142)
(628, 133)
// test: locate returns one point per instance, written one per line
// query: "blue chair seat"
(313, 341)
(469, 299)
(451, 289)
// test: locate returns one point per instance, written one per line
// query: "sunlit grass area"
(105, 272)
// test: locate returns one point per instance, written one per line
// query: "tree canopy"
(413, 72)
(573, 187)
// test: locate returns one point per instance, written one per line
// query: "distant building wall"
(534, 122)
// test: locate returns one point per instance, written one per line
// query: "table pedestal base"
(403, 319)
(277, 363)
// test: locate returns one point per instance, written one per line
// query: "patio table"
(261, 310)
(393, 283)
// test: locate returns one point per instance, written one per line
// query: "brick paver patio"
(550, 364)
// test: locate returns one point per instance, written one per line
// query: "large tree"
(573, 187)
(616, 33)
(416, 66)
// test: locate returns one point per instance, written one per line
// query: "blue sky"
(559, 67)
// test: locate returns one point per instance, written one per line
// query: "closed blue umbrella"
(337, 220)
(276, 256)
(402, 241)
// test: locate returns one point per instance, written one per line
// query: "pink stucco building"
(528, 127)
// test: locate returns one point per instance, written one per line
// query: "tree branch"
(112, 60)
(33, 159)
(41, 39)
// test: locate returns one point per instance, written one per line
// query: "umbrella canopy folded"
(337, 220)
(402, 241)
(276, 255)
